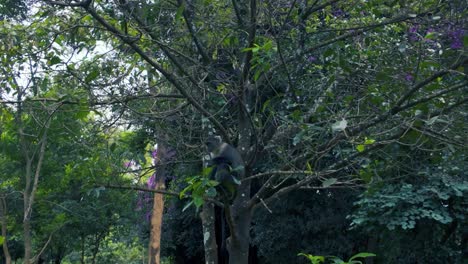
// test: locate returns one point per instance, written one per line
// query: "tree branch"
(137, 188)
(170, 77)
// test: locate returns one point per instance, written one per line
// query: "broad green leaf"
(198, 201)
(2, 239)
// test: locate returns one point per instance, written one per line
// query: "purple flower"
(311, 59)
(127, 164)
(456, 37)
(414, 29)
(413, 33)
(151, 181)
(409, 77)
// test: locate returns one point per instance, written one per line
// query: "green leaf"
(2, 239)
(360, 148)
(362, 255)
(257, 75)
(268, 45)
(329, 182)
(186, 189)
(211, 192)
(430, 35)
(92, 75)
(328, 53)
(206, 171)
(313, 259)
(198, 201)
(369, 141)
(180, 11)
(54, 60)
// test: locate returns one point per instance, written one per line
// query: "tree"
(310, 92)
(46, 133)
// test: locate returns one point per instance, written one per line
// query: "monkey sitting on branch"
(228, 167)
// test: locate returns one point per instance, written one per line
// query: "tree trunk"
(156, 224)
(3, 212)
(241, 217)
(207, 216)
(239, 242)
(27, 240)
(240, 213)
(154, 250)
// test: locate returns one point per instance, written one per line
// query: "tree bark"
(241, 218)
(26, 217)
(156, 225)
(207, 216)
(27, 240)
(238, 245)
(3, 213)
(154, 250)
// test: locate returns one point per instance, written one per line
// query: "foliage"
(335, 260)
(321, 217)
(313, 259)
(13, 9)
(199, 188)
(316, 95)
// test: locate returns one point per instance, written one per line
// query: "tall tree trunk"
(27, 239)
(239, 241)
(156, 225)
(154, 250)
(208, 219)
(3, 213)
(30, 189)
(27, 215)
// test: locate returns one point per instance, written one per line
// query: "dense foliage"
(349, 115)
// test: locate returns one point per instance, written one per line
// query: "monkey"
(223, 173)
(219, 149)
(228, 166)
